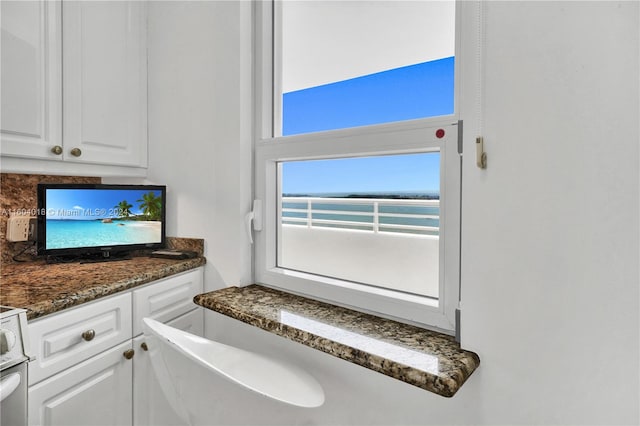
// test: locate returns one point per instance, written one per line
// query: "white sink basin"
(169, 349)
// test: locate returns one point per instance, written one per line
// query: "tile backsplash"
(18, 196)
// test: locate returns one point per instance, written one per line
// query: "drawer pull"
(144, 346)
(89, 335)
(128, 354)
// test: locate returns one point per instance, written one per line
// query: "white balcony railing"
(369, 214)
(389, 243)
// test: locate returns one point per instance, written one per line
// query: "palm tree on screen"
(124, 208)
(151, 206)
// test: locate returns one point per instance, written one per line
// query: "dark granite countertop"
(43, 288)
(423, 358)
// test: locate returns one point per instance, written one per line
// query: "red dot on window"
(440, 133)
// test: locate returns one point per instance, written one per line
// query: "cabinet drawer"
(58, 340)
(166, 299)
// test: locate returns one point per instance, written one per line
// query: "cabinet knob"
(128, 354)
(76, 152)
(57, 150)
(144, 346)
(89, 335)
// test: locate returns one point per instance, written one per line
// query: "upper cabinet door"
(30, 114)
(105, 82)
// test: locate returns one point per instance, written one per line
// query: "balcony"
(388, 243)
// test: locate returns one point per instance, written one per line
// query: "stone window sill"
(423, 358)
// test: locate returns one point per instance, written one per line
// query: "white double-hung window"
(356, 155)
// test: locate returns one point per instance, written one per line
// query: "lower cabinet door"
(150, 406)
(97, 391)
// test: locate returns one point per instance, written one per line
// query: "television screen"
(84, 219)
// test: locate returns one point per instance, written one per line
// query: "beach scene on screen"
(102, 217)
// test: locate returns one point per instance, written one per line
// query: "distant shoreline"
(385, 195)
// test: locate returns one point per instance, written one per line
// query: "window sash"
(405, 137)
(372, 140)
(268, 91)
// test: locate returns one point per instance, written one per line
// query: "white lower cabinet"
(150, 406)
(91, 366)
(94, 392)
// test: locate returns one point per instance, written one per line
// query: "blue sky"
(392, 173)
(410, 92)
(91, 203)
(405, 93)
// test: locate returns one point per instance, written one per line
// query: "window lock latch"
(254, 217)
(481, 156)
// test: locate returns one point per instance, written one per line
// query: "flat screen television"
(95, 220)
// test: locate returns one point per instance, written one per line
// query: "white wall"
(199, 128)
(550, 244)
(550, 235)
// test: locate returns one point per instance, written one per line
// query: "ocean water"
(89, 233)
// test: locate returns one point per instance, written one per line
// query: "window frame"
(414, 135)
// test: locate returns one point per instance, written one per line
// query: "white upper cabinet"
(30, 114)
(105, 82)
(74, 85)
